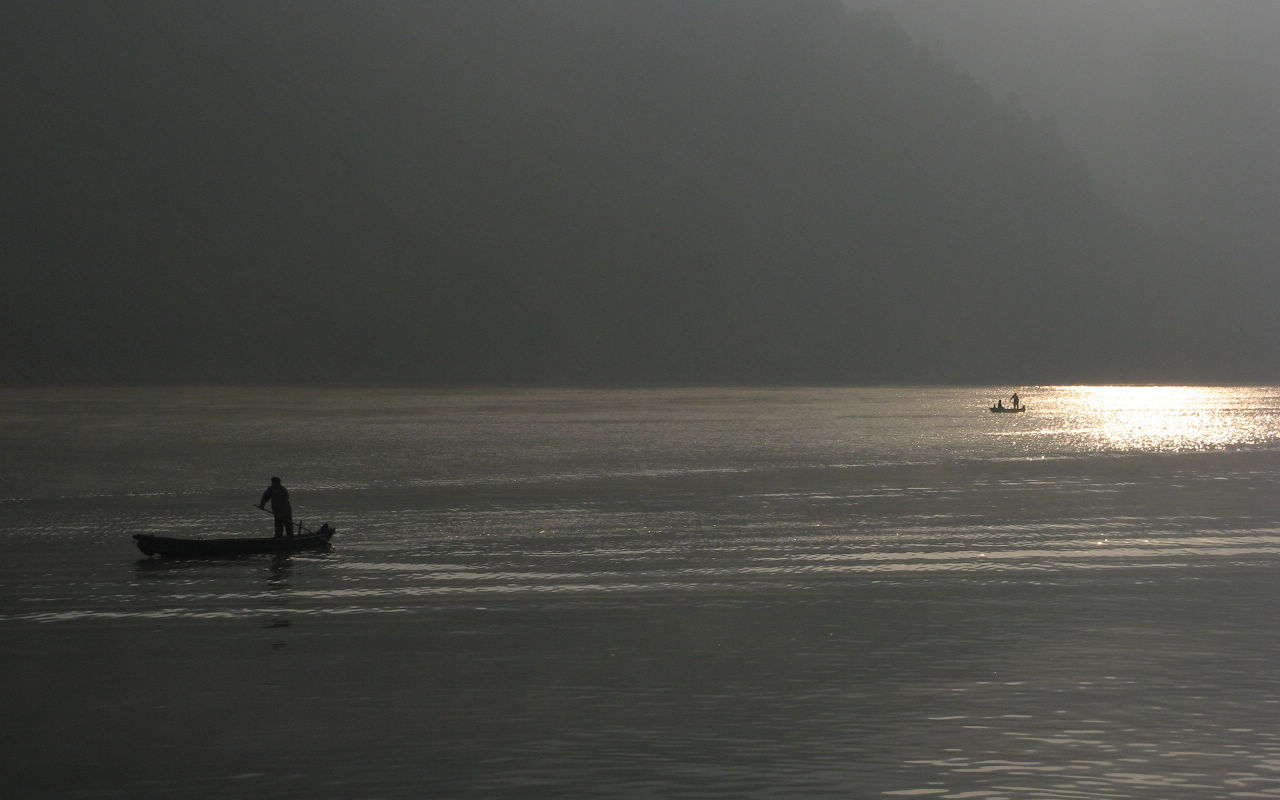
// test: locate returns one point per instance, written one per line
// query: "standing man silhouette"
(280, 508)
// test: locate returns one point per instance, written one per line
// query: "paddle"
(301, 528)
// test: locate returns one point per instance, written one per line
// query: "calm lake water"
(880, 593)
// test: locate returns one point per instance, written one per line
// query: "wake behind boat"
(196, 548)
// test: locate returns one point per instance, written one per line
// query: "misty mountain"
(1173, 104)
(594, 192)
(1172, 101)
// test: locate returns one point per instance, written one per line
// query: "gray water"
(693, 593)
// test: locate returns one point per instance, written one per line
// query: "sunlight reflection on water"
(1156, 418)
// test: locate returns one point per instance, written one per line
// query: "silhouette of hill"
(584, 192)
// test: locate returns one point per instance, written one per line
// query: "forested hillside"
(594, 192)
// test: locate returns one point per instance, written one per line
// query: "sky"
(628, 192)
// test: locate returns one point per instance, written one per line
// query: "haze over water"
(659, 593)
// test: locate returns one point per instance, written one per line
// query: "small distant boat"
(203, 548)
(1007, 410)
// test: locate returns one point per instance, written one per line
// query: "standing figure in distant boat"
(1015, 399)
(280, 508)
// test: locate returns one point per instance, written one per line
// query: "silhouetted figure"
(280, 508)
(1015, 400)
(1000, 403)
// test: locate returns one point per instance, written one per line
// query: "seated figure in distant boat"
(280, 508)
(1000, 403)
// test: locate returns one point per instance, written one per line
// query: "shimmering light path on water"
(695, 593)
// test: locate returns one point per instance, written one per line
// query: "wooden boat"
(1006, 410)
(198, 548)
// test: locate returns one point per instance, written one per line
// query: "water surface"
(666, 593)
